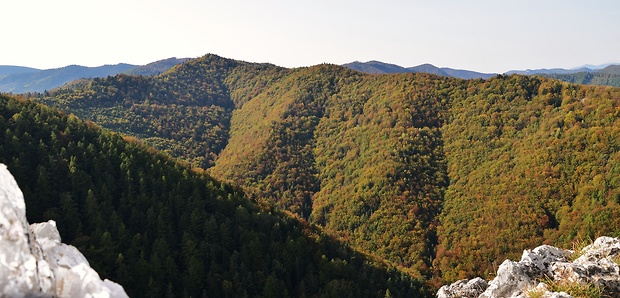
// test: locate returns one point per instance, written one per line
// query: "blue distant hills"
(18, 79)
(378, 67)
(606, 74)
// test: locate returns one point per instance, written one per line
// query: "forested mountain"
(466, 74)
(428, 68)
(155, 68)
(611, 69)
(529, 160)
(185, 112)
(437, 175)
(377, 67)
(22, 79)
(546, 71)
(160, 228)
(609, 76)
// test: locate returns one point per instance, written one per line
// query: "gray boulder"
(463, 288)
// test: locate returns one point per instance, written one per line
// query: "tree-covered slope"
(184, 112)
(360, 155)
(530, 160)
(161, 229)
(438, 175)
(608, 76)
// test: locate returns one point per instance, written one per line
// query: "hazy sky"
(487, 36)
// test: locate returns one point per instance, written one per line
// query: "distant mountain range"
(549, 71)
(606, 74)
(377, 67)
(583, 68)
(6, 70)
(18, 79)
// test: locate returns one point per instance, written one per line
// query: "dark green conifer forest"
(227, 178)
(160, 228)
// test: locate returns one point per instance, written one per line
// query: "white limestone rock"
(595, 266)
(463, 289)
(511, 280)
(18, 266)
(34, 261)
(543, 256)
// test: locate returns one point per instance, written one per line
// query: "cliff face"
(547, 271)
(33, 260)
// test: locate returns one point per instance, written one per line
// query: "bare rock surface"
(596, 266)
(33, 260)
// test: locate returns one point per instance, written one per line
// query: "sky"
(480, 35)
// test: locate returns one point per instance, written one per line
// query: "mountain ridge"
(378, 67)
(6, 70)
(22, 79)
(18, 79)
(606, 74)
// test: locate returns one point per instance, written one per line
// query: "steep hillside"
(185, 112)
(438, 175)
(530, 160)
(360, 155)
(161, 229)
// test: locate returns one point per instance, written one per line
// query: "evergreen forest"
(163, 229)
(224, 178)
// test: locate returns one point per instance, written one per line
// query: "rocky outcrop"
(545, 266)
(33, 260)
(464, 288)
